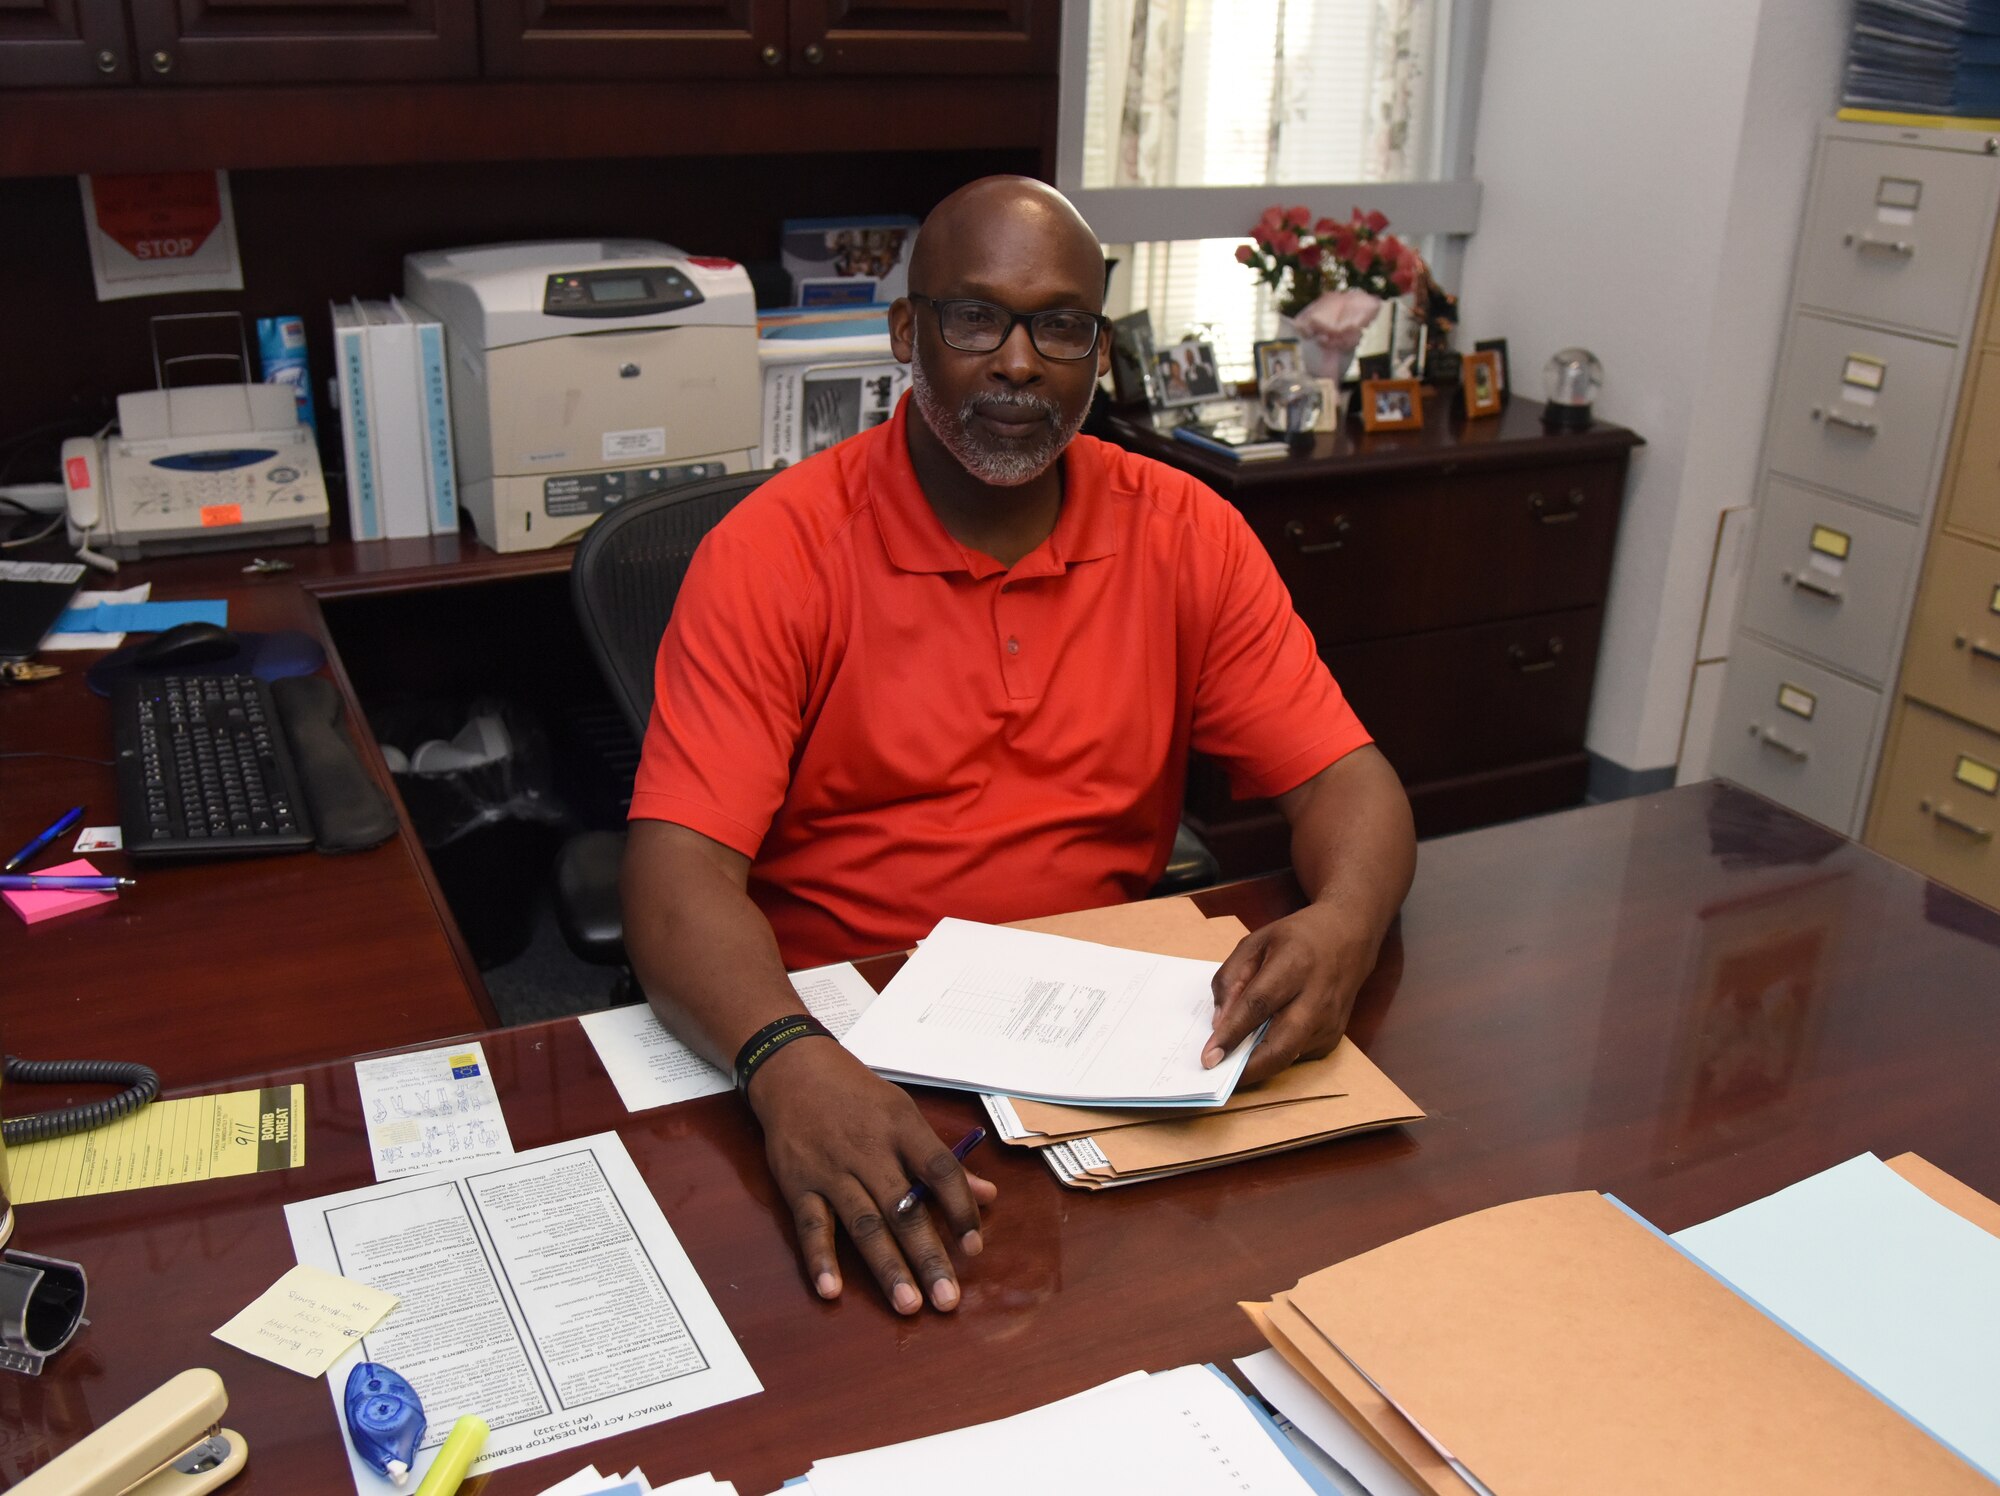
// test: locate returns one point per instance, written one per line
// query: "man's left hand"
(1301, 972)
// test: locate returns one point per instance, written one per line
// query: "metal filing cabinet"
(1898, 231)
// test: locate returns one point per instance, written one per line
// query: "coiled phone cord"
(141, 1086)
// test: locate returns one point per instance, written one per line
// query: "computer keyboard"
(204, 769)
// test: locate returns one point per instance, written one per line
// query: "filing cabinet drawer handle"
(1295, 532)
(1518, 657)
(1902, 249)
(1548, 516)
(1817, 588)
(1945, 818)
(1979, 647)
(1851, 423)
(1772, 740)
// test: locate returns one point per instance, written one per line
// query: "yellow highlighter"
(461, 1448)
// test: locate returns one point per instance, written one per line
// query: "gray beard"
(1007, 467)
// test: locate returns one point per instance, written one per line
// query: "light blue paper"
(1900, 1292)
(143, 618)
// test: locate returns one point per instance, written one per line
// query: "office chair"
(628, 569)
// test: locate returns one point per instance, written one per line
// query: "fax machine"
(587, 374)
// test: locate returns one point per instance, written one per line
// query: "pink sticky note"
(36, 905)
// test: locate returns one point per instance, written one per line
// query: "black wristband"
(771, 1038)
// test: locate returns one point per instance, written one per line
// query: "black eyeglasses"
(970, 326)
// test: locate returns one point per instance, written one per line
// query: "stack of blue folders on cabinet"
(1842, 1334)
(1925, 57)
(395, 420)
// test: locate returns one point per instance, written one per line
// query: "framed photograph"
(1479, 376)
(1392, 405)
(1372, 366)
(1499, 346)
(1185, 374)
(1277, 356)
(1333, 405)
(1132, 359)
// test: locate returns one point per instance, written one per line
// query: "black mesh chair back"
(628, 570)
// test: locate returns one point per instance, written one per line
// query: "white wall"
(1645, 168)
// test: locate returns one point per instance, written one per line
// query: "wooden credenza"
(1454, 578)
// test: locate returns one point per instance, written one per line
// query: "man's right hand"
(846, 1145)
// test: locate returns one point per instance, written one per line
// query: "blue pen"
(919, 1192)
(30, 882)
(68, 819)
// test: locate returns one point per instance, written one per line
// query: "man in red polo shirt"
(954, 666)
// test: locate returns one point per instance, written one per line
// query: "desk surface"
(197, 972)
(1690, 1000)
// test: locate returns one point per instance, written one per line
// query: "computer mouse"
(194, 643)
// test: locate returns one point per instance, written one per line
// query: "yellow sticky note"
(167, 1142)
(307, 1319)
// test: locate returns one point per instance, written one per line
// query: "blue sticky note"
(143, 618)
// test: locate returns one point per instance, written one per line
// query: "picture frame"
(1185, 374)
(1392, 405)
(1132, 358)
(1333, 406)
(1479, 376)
(1499, 346)
(1371, 366)
(1277, 356)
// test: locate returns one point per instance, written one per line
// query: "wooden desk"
(214, 969)
(1690, 1000)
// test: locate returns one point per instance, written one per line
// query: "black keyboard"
(204, 769)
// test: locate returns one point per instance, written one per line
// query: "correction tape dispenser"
(384, 1419)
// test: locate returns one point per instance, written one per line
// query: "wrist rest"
(349, 811)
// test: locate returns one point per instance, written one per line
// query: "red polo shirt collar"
(1087, 526)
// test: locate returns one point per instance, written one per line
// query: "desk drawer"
(1898, 233)
(1828, 577)
(1953, 661)
(1794, 732)
(1439, 553)
(1974, 500)
(1828, 429)
(1458, 701)
(1940, 802)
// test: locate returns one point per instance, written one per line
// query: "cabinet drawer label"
(1860, 372)
(1982, 777)
(1898, 192)
(1798, 701)
(1831, 542)
(1993, 604)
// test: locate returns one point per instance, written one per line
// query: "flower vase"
(1329, 330)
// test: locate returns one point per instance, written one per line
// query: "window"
(1182, 120)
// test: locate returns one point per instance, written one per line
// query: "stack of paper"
(1101, 1147)
(587, 1482)
(1925, 57)
(1562, 1345)
(395, 420)
(828, 373)
(1187, 1431)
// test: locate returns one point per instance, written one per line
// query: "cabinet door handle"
(1851, 423)
(1295, 532)
(1772, 740)
(771, 56)
(1539, 504)
(1902, 249)
(1807, 583)
(1979, 647)
(163, 62)
(814, 54)
(1944, 817)
(1518, 657)
(107, 62)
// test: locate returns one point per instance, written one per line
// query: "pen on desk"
(30, 882)
(63, 822)
(919, 1192)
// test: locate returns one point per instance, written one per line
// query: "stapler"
(169, 1443)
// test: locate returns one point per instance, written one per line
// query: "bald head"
(1018, 222)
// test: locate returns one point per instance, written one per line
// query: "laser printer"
(586, 374)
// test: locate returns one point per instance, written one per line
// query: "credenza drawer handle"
(1945, 818)
(1851, 423)
(1902, 249)
(1518, 657)
(1772, 740)
(1295, 532)
(1807, 583)
(1979, 647)
(1539, 505)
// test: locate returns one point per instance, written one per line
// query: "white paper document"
(1870, 1271)
(430, 1109)
(1184, 1431)
(986, 1008)
(1361, 1468)
(650, 1067)
(544, 1292)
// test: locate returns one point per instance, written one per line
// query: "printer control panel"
(620, 291)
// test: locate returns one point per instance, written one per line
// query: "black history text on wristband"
(771, 1038)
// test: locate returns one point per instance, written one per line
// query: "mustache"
(1017, 403)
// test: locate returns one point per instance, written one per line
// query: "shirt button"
(1013, 646)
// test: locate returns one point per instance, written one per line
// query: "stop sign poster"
(155, 232)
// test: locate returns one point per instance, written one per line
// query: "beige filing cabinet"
(1937, 799)
(1898, 232)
